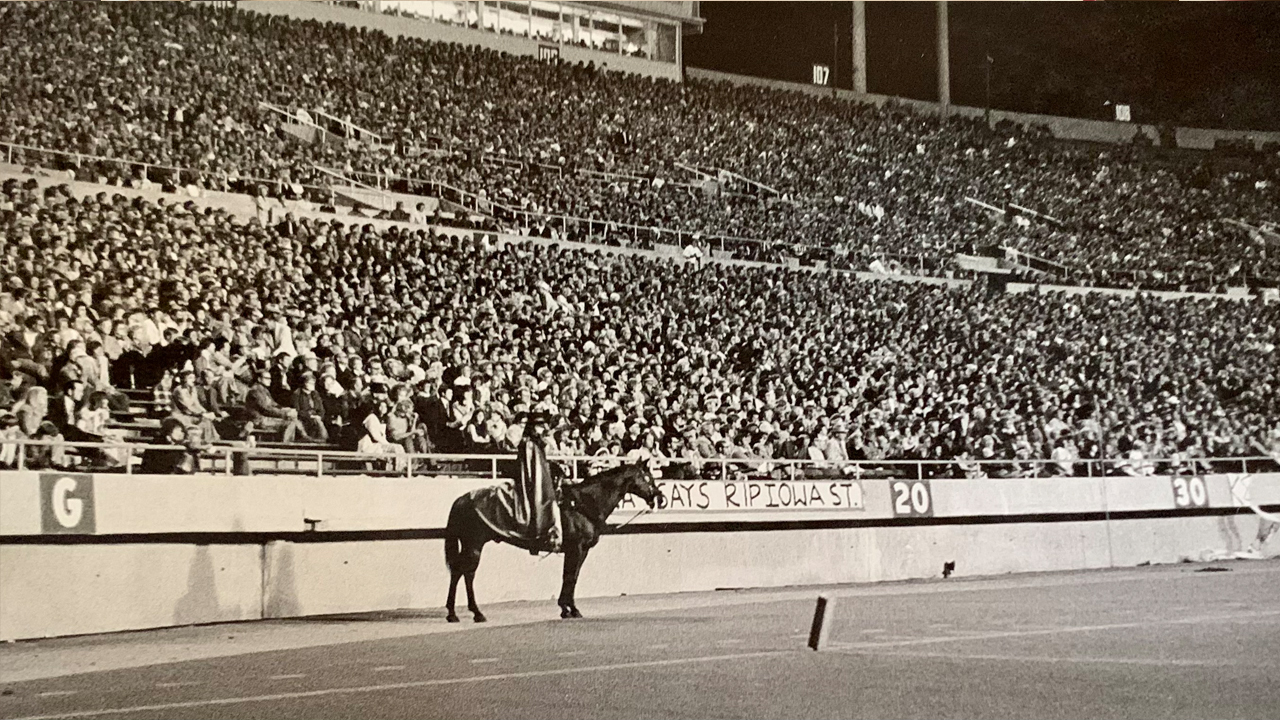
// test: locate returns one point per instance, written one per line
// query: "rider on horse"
(537, 490)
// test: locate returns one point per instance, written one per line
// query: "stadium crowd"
(403, 340)
(180, 86)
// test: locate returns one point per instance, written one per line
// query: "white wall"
(62, 586)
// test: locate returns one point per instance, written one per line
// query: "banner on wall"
(714, 496)
(66, 504)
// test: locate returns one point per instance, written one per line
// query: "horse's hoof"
(479, 617)
(565, 613)
(452, 618)
(573, 613)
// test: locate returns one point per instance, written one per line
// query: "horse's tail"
(452, 539)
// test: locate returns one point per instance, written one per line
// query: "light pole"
(987, 114)
(943, 50)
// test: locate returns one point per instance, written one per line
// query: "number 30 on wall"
(1190, 492)
(911, 498)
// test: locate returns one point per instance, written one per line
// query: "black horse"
(584, 510)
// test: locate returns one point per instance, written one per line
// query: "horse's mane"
(588, 496)
(601, 478)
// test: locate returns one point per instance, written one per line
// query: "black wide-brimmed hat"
(536, 418)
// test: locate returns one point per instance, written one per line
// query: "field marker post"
(821, 628)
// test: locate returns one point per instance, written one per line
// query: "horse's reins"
(642, 511)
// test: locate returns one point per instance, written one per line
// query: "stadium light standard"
(859, 42)
(987, 113)
(944, 59)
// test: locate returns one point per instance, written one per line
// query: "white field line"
(1157, 662)
(365, 689)
(37, 663)
(938, 639)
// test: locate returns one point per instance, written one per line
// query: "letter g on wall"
(66, 504)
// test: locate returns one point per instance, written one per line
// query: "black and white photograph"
(505, 359)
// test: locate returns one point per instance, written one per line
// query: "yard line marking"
(177, 684)
(478, 661)
(1054, 631)
(388, 668)
(57, 693)
(1047, 658)
(362, 689)
(294, 676)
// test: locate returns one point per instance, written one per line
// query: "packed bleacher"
(330, 335)
(167, 322)
(177, 85)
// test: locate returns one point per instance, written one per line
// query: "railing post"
(724, 471)
(493, 468)
(22, 456)
(228, 462)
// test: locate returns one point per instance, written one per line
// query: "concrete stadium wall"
(87, 554)
(1062, 127)
(55, 590)
(442, 32)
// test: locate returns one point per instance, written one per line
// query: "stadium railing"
(231, 459)
(754, 247)
(19, 154)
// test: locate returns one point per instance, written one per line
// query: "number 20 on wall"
(911, 498)
(1190, 492)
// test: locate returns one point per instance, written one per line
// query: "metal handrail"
(716, 240)
(727, 467)
(348, 124)
(81, 157)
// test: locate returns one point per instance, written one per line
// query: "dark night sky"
(1207, 64)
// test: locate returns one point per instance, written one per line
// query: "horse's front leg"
(574, 556)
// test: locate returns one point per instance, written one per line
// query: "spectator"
(189, 409)
(375, 441)
(170, 460)
(93, 420)
(31, 414)
(266, 414)
(403, 427)
(310, 408)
